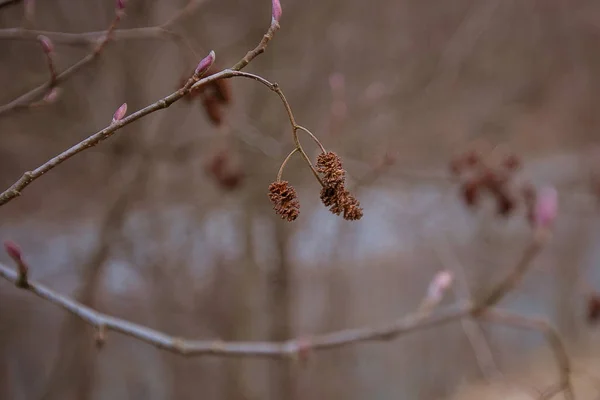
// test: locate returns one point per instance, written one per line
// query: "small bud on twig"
(120, 8)
(436, 290)
(276, 14)
(52, 95)
(120, 113)
(546, 208)
(14, 252)
(439, 284)
(205, 64)
(46, 43)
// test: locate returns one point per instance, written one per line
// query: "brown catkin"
(285, 200)
(334, 194)
(330, 165)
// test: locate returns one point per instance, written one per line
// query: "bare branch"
(86, 38)
(553, 338)
(516, 275)
(97, 39)
(6, 3)
(283, 349)
(27, 98)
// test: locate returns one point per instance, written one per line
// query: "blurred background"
(168, 223)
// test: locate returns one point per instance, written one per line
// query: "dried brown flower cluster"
(593, 308)
(334, 193)
(285, 200)
(222, 169)
(213, 96)
(478, 176)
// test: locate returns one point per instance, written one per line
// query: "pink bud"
(29, 9)
(13, 250)
(52, 95)
(46, 43)
(120, 5)
(120, 113)
(276, 11)
(337, 82)
(439, 284)
(205, 64)
(546, 208)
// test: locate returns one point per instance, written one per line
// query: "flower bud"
(438, 286)
(205, 64)
(120, 113)
(546, 208)
(13, 250)
(276, 14)
(52, 95)
(46, 43)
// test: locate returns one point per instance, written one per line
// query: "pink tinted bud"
(52, 95)
(337, 82)
(120, 5)
(276, 11)
(120, 113)
(46, 43)
(205, 64)
(546, 208)
(439, 284)
(13, 250)
(29, 9)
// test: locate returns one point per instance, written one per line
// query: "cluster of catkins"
(213, 96)
(479, 177)
(333, 193)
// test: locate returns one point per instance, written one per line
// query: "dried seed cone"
(285, 200)
(330, 165)
(334, 194)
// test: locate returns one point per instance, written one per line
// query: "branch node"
(179, 345)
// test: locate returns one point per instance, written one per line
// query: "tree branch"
(282, 349)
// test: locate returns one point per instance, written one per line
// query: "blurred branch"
(99, 39)
(6, 3)
(481, 347)
(86, 38)
(32, 95)
(508, 318)
(90, 38)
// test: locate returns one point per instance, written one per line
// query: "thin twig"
(111, 33)
(283, 164)
(295, 127)
(32, 95)
(481, 347)
(516, 275)
(553, 338)
(86, 38)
